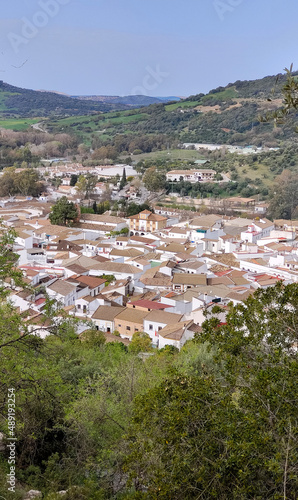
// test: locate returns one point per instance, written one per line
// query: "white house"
(157, 320)
(63, 292)
(175, 334)
(192, 176)
(104, 317)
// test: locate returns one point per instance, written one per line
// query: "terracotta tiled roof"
(107, 313)
(132, 315)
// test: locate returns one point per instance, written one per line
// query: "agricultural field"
(104, 124)
(170, 155)
(18, 124)
(182, 104)
(228, 93)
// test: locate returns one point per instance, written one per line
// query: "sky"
(154, 48)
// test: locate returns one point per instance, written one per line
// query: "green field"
(18, 124)
(171, 154)
(104, 125)
(257, 172)
(183, 104)
(230, 93)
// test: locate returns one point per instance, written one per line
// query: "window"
(136, 329)
(119, 326)
(150, 327)
(159, 328)
(79, 306)
(128, 328)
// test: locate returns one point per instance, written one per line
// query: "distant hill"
(16, 101)
(129, 100)
(226, 115)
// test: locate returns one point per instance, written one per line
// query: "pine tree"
(94, 206)
(123, 180)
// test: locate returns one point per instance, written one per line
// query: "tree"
(85, 185)
(134, 208)
(140, 342)
(94, 207)
(153, 180)
(105, 152)
(73, 179)
(26, 182)
(93, 338)
(91, 181)
(123, 181)
(284, 196)
(63, 213)
(290, 104)
(227, 430)
(81, 186)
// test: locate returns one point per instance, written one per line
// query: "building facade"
(146, 222)
(192, 176)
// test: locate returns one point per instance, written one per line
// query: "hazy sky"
(156, 47)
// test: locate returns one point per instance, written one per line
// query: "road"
(37, 126)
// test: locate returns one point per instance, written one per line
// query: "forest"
(26, 102)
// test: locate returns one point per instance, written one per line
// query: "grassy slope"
(234, 118)
(18, 124)
(171, 155)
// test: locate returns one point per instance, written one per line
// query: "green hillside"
(227, 115)
(18, 102)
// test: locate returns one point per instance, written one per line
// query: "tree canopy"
(284, 196)
(229, 429)
(64, 212)
(154, 180)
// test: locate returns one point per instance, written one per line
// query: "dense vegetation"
(227, 115)
(28, 147)
(26, 182)
(26, 102)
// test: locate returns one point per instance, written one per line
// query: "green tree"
(140, 342)
(290, 102)
(27, 182)
(93, 337)
(91, 181)
(73, 179)
(7, 182)
(64, 212)
(228, 430)
(85, 185)
(81, 186)
(123, 181)
(153, 180)
(284, 196)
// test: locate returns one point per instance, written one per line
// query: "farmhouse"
(192, 176)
